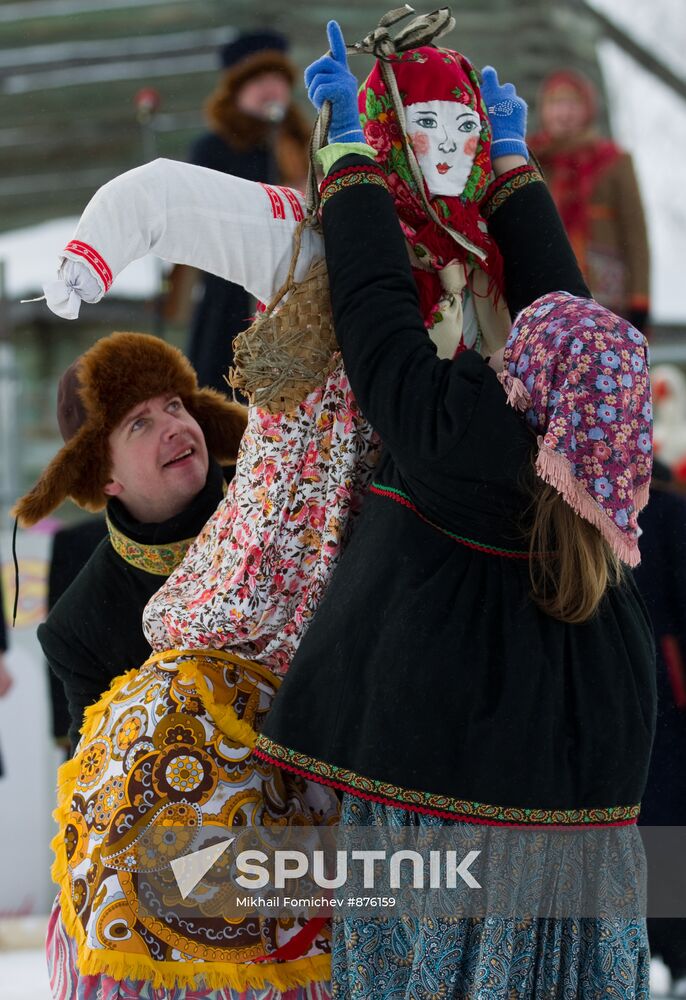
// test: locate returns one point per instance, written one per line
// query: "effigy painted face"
(440, 111)
(446, 123)
(444, 137)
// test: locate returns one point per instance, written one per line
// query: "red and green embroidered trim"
(358, 168)
(436, 805)
(506, 185)
(399, 497)
(350, 178)
(498, 182)
(160, 560)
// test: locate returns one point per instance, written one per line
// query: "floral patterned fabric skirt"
(432, 958)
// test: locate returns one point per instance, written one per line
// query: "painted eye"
(467, 126)
(426, 122)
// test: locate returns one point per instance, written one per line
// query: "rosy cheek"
(420, 143)
(470, 145)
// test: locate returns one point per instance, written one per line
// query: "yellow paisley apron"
(164, 768)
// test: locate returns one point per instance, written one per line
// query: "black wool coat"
(94, 632)
(661, 579)
(428, 678)
(72, 547)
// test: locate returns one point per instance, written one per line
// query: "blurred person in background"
(669, 433)
(661, 579)
(594, 186)
(255, 132)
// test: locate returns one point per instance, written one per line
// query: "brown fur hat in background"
(242, 131)
(95, 394)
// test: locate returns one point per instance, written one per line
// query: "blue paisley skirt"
(431, 958)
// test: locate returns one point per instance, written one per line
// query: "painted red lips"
(443, 168)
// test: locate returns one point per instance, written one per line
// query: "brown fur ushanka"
(117, 373)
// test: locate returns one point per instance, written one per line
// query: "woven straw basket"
(288, 350)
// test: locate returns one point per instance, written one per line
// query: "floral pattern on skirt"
(254, 577)
(494, 958)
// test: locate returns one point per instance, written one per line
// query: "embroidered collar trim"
(159, 560)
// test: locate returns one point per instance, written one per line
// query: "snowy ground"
(23, 975)
(23, 972)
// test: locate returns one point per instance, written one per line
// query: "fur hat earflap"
(96, 392)
(68, 475)
(222, 423)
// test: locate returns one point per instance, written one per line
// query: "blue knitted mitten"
(329, 79)
(507, 114)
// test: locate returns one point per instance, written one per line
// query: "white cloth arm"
(185, 214)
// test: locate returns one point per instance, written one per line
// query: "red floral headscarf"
(584, 88)
(432, 74)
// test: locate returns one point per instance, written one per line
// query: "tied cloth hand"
(75, 284)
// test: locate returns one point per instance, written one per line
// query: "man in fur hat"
(258, 133)
(142, 440)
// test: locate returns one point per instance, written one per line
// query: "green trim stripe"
(339, 777)
(348, 180)
(381, 489)
(520, 179)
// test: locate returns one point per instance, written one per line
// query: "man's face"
(444, 137)
(159, 459)
(265, 96)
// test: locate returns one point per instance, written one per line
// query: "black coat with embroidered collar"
(94, 632)
(428, 679)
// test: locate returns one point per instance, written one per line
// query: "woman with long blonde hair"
(478, 660)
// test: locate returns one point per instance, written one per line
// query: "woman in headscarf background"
(594, 186)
